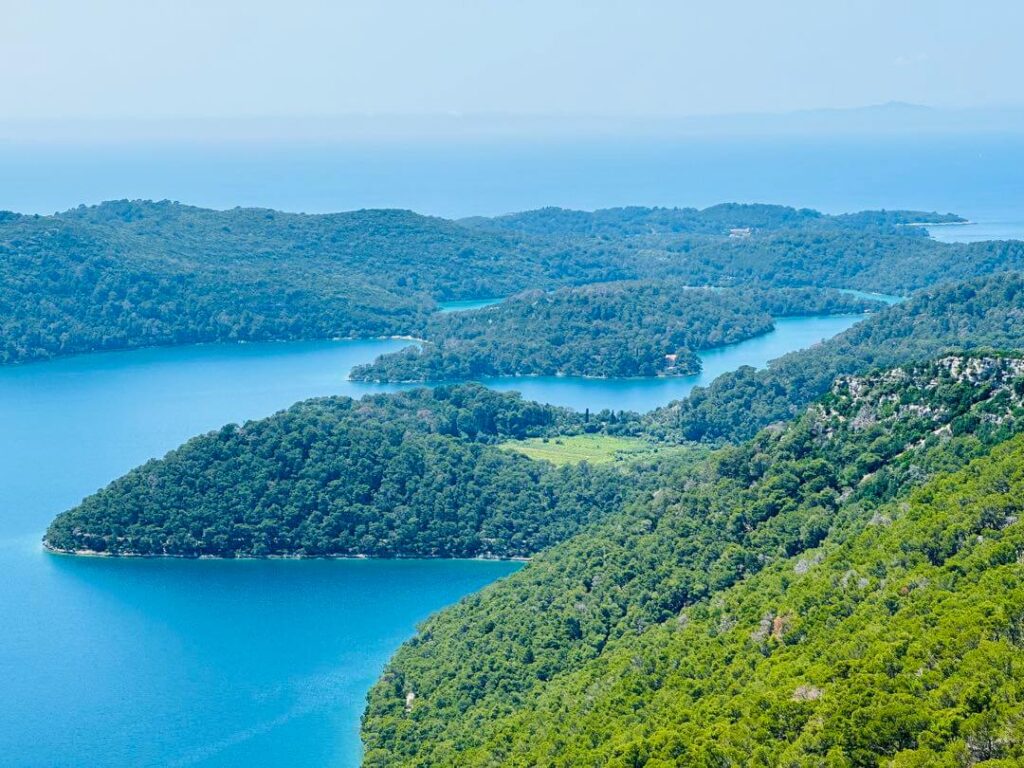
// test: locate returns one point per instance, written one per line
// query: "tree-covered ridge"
(715, 220)
(985, 313)
(133, 273)
(732, 244)
(897, 644)
(411, 474)
(64, 291)
(886, 262)
(129, 274)
(646, 328)
(405, 251)
(736, 244)
(491, 660)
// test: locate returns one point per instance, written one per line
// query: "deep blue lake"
(257, 663)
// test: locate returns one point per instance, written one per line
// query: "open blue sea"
(976, 176)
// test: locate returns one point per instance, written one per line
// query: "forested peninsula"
(416, 474)
(639, 328)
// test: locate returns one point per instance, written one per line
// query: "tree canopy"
(825, 593)
(639, 328)
(416, 474)
(127, 274)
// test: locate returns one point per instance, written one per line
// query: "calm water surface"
(644, 394)
(886, 298)
(1010, 226)
(257, 663)
(152, 663)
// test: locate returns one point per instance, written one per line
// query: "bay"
(111, 662)
(148, 662)
(466, 304)
(1009, 226)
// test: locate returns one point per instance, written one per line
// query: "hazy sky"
(233, 58)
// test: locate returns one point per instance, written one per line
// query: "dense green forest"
(901, 641)
(870, 250)
(130, 274)
(714, 220)
(411, 474)
(985, 313)
(887, 263)
(794, 600)
(135, 273)
(644, 328)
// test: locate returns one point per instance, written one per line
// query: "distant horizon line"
(885, 118)
(463, 114)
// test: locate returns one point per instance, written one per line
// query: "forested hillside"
(401, 251)
(794, 601)
(985, 313)
(130, 274)
(870, 250)
(134, 273)
(645, 328)
(715, 220)
(416, 474)
(901, 644)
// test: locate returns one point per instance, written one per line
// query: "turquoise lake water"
(209, 663)
(886, 298)
(147, 662)
(1007, 227)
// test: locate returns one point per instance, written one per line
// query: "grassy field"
(595, 449)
